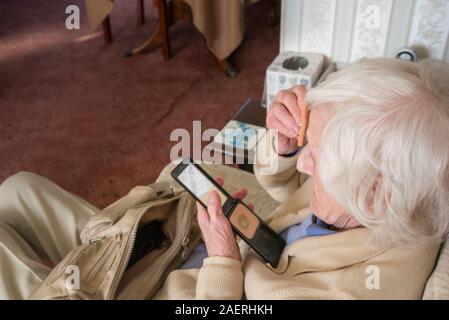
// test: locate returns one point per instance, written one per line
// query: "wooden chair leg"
(140, 7)
(107, 33)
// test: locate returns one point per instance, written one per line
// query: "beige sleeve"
(277, 174)
(220, 278)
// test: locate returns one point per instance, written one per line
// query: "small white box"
(290, 69)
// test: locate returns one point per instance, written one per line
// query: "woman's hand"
(215, 227)
(284, 115)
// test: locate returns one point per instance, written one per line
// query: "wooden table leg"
(140, 7)
(164, 24)
(159, 37)
(107, 33)
(152, 42)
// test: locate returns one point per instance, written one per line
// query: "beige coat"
(338, 266)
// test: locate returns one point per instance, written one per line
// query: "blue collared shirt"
(310, 227)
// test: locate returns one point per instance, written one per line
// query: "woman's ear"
(377, 199)
(305, 163)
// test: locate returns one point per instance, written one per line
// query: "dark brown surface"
(251, 112)
(140, 10)
(164, 36)
(107, 31)
(74, 110)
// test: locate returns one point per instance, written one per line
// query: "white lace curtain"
(347, 30)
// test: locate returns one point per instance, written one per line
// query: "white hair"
(384, 154)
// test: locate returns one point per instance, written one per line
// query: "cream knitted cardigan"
(344, 265)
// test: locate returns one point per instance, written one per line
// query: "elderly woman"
(369, 221)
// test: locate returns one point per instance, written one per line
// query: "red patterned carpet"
(74, 110)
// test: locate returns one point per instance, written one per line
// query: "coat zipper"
(128, 256)
(131, 246)
(184, 242)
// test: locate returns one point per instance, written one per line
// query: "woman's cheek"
(319, 203)
(323, 206)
